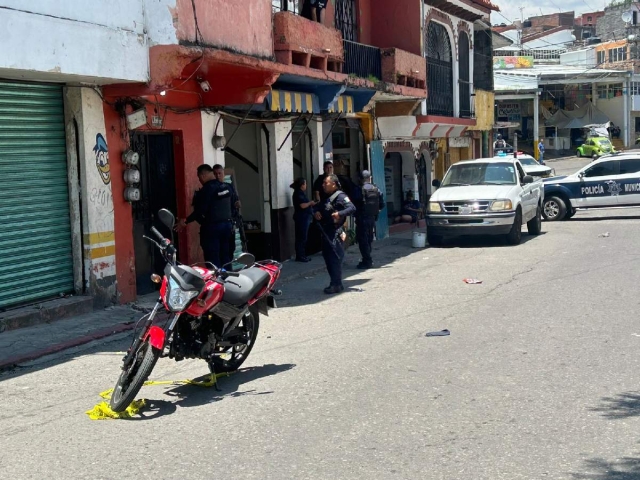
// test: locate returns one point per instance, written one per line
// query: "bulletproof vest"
(500, 144)
(371, 201)
(220, 208)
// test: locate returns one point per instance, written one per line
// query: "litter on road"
(441, 333)
(472, 281)
(604, 235)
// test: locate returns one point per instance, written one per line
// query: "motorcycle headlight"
(434, 207)
(178, 299)
(501, 205)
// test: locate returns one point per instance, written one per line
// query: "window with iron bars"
(346, 20)
(293, 6)
(635, 88)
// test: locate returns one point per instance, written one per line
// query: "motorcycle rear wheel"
(131, 379)
(239, 353)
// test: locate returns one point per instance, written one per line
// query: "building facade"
(117, 111)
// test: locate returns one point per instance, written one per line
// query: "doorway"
(157, 190)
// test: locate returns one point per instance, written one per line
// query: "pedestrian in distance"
(369, 203)
(302, 217)
(331, 215)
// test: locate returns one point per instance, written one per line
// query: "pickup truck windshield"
(480, 174)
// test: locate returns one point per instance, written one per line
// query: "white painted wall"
(98, 42)
(159, 21)
(281, 165)
(579, 58)
(613, 108)
(211, 155)
(85, 107)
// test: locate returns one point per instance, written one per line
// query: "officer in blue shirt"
(213, 207)
(369, 202)
(331, 215)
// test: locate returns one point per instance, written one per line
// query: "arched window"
(439, 71)
(464, 77)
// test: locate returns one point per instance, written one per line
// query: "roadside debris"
(604, 235)
(472, 281)
(441, 333)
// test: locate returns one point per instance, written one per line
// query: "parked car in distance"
(488, 196)
(595, 147)
(611, 181)
(531, 166)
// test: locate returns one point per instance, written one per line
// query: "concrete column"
(594, 94)
(210, 154)
(84, 117)
(281, 165)
(536, 122)
(627, 113)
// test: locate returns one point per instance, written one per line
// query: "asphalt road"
(539, 378)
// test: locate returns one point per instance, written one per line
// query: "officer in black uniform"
(331, 215)
(212, 209)
(369, 202)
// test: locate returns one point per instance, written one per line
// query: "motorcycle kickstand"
(213, 376)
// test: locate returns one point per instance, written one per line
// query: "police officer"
(212, 209)
(331, 215)
(369, 203)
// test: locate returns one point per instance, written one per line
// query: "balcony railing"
(293, 6)
(440, 88)
(361, 60)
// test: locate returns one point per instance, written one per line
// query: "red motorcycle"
(214, 314)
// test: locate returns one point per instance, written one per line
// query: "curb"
(12, 362)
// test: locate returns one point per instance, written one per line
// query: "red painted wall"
(242, 26)
(396, 23)
(188, 154)
(364, 21)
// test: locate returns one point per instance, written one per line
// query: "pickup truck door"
(600, 184)
(527, 195)
(629, 180)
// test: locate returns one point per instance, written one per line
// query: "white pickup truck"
(488, 196)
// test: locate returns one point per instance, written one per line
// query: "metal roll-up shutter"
(35, 231)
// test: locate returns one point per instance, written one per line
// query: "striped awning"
(343, 104)
(294, 102)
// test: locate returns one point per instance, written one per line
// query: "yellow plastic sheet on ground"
(102, 411)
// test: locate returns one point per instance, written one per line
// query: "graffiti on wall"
(102, 159)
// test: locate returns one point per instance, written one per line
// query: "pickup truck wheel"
(515, 235)
(434, 240)
(570, 213)
(553, 209)
(534, 226)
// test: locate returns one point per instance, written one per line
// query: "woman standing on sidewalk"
(302, 217)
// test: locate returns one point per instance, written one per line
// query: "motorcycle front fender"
(156, 337)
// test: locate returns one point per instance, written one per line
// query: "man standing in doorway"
(541, 151)
(212, 209)
(331, 214)
(369, 203)
(318, 192)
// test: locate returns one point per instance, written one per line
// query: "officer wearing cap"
(369, 202)
(331, 215)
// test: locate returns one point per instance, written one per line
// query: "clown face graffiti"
(102, 159)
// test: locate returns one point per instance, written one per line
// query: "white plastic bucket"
(419, 240)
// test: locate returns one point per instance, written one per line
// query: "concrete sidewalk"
(30, 343)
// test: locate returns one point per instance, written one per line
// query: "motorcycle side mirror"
(436, 183)
(167, 218)
(245, 259)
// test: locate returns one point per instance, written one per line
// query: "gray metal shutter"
(35, 230)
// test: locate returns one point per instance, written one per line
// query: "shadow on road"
(627, 468)
(485, 241)
(624, 405)
(601, 219)
(185, 396)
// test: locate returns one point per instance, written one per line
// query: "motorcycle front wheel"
(239, 353)
(131, 379)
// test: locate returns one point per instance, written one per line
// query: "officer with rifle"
(331, 215)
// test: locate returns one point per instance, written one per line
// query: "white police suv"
(611, 181)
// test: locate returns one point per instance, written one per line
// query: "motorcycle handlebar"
(158, 235)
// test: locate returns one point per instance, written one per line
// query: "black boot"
(331, 289)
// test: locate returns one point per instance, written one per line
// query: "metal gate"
(35, 229)
(377, 170)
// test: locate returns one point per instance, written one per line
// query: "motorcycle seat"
(239, 290)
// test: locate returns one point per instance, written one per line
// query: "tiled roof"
(487, 4)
